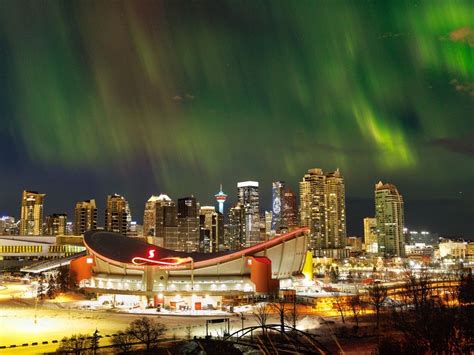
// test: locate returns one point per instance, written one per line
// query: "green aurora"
(194, 93)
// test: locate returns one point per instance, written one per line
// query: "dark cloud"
(463, 145)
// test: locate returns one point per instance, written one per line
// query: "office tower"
(31, 221)
(188, 224)
(247, 194)
(56, 224)
(85, 216)
(290, 209)
(370, 235)
(322, 198)
(335, 213)
(149, 216)
(278, 188)
(8, 226)
(312, 207)
(390, 223)
(211, 223)
(166, 223)
(236, 228)
(221, 197)
(117, 214)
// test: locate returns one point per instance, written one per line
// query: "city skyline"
(355, 223)
(115, 99)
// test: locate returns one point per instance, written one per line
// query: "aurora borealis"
(142, 97)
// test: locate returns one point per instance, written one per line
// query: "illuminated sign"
(168, 262)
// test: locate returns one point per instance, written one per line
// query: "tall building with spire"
(31, 222)
(85, 216)
(248, 197)
(221, 197)
(322, 208)
(390, 220)
(117, 214)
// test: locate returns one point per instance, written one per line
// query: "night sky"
(144, 97)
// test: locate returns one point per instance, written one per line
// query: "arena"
(124, 269)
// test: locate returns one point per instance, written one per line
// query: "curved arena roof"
(119, 249)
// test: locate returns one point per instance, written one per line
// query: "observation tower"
(220, 198)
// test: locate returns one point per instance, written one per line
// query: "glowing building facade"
(117, 265)
(390, 220)
(188, 225)
(31, 222)
(211, 223)
(56, 224)
(323, 209)
(117, 214)
(278, 188)
(370, 235)
(85, 216)
(248, 197)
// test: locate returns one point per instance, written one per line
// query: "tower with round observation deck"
(220, 198)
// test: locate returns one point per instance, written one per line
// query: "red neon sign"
(169, 261)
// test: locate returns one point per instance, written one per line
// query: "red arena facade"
(121, 267)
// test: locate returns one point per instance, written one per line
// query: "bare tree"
(51, 291)
(282, 309)
(340, 303)
(123, 341)
(377, 296)
(76, 344)
(147, 331)
(356, 306)
(95, 341)
(292, 315)
(261, 313)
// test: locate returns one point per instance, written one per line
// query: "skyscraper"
(166, 223)
(188, 224)
(322, 209)
(390, 220)
(31, 221)
(335, 214)
(312, 207)
(117, 214)
(235, 236)
(278, 188)
(370, 235)
(211, 237)
(290, 209)
(248, 197)
(85, 216)
(56, 224)
(149, 216)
